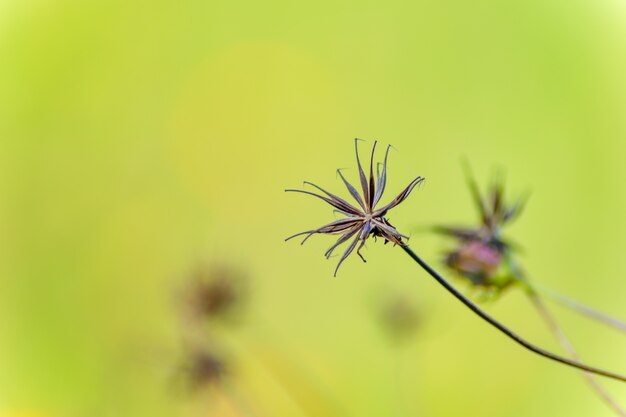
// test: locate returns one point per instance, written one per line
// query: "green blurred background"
(140, 139)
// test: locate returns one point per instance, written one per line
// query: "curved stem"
(558, 333)
(584, 310)
(502, 328)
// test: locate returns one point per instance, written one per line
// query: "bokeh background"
(141, 140)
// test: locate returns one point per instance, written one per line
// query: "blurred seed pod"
(215, 292)
(200, 368)
(481, 255)
(399, 316)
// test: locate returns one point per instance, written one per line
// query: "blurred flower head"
(213, 292)
(365, 220)
(201, 368)
(399, 316)
(482, 255)
(216, 291)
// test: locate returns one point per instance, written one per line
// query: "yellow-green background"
(140, 138)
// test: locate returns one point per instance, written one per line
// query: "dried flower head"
(365, 220)
(214, 291)
(201, 368)
(482, 255)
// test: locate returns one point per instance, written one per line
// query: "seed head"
(482, 255)
(202, 368)
(214, 292)
(365, 220)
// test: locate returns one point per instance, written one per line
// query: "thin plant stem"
(558, 333)
(583, 309)
(502, 328)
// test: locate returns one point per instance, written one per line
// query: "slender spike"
(299, 234)
(361, 173)
(339, 207)
(353, 192)
(331, 228)
(382, 180)
(457, 232)
(347, 253)
(497, 207)
(358, 251)
(338, 226)
(335, 197)
(341, 240)
(517, 208)
(366, 229)
(306, 238)
(399, 198)
(497, 204)
(473, 185)
(372, 184)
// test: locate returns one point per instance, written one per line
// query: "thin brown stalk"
(563, 340)
(501, 327)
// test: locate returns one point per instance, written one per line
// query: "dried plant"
(366, 220)
(488, 262)
(481, 252)
(214, 292)
(371, 221)
(202, 368)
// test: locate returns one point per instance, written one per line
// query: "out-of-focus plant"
(488, 262)
(365, 220)
(201, 367)
(398, 315)
(215, 295)
(212, 293)
(482, 255)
